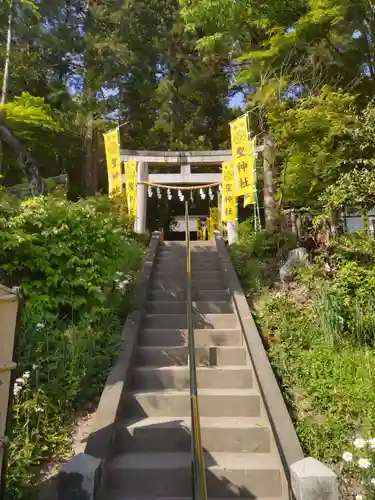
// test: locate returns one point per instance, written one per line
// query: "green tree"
(312, 139)
(353, 189)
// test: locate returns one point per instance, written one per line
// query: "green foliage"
(75, 263)
(356, 188)
(65, 255)
(68, 364)
(355, 248)
(258, 255)
(321, 335)
(263, 244)
(310, 138)
(37, 126)
(27, 113)
(130, 60)
(292, 61)
(331, 392)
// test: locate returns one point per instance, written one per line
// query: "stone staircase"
(152, 443)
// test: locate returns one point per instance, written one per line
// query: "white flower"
(364, 463)
(39, 409)
(347, 457)
(40, 326)
(371, 442)
(359, 497)
(20, 381)
(372, 481)
(26, 375)
(359, 443)
(16, 389)
(35, 367)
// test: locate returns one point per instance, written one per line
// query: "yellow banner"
(199, 229)
(243, 154)
(229, 193)
(239, 134)
(131, 186)
(213, 222)
(112, 152)
(249, 197)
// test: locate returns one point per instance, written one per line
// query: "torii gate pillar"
(183, 159)
(140, 225)
(232, 232)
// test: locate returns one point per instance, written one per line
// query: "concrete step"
(176, 403)
(194, 247)
(197, 295)
(180, 275)
(181, 254)
(180, 265)
(179, 307)
(243, 475)
(194, 256)
(203, 244)
(171, 434)
(172, 263)
(193, 244)
(178, 356)
(174, 337)
(178, 377)
(175, 284)
(180, 288)
(200, 321)
(120, 496)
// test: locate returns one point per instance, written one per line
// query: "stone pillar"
(232, 232)
(141, 215)
(312, 480)
(79, 478)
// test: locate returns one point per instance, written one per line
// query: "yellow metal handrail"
(199, 485)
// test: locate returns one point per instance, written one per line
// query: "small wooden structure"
(9, 301)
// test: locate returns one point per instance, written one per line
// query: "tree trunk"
(24, 159)
(366, 225)
(270, 206)
(335, 218)
(90, 177)
(4, 92)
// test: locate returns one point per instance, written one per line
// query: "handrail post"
(199, 485)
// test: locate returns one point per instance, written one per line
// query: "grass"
(62, 371)
(321, 333)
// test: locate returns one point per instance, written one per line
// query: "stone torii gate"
(185, 160)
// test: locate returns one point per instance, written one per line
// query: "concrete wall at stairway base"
(308, 478)
(81, 477)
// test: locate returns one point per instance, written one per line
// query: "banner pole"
(257, 221)
(122, 190)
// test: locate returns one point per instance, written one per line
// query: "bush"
(264, 243)
(68, 365)
(75, 263)
(321, 333)
(328, 389)
(66, 255)
(258, 256)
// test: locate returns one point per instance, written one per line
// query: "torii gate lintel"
(184, 159)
